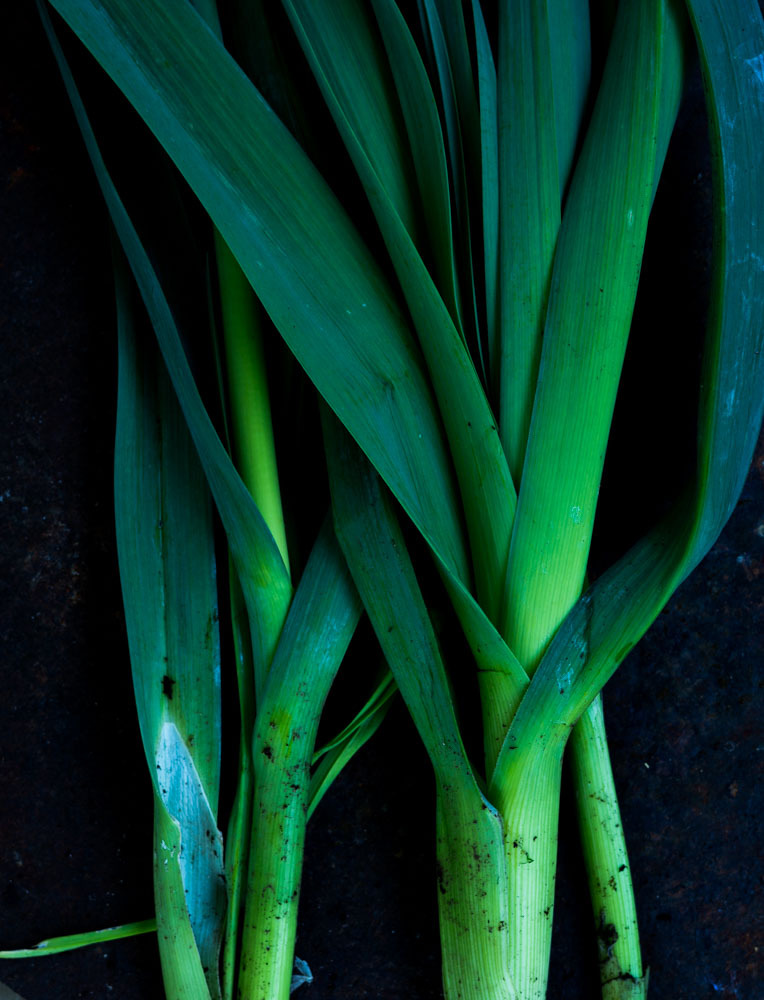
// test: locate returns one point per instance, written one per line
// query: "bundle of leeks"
(465, 326)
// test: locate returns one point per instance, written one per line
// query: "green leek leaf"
(167, 567)
(472, 882)
(480, 464)
(306, 262)
(56, 945)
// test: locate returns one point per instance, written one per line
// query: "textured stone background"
(75, 843)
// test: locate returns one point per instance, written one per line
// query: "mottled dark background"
(75, 827)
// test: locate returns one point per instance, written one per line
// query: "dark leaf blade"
(730, 38)
(307, 263)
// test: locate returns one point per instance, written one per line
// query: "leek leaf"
(307, 263)
(544, 68)
(570, 53)
(332, 756)
(472, 879)
(56, 945)
(425, 135)
(592, 294)
(342, 45)
(731, 43)
(383, 692)
(451, 67)
(343, 749)
(529, 209)
(470, 425)
(410, 453)
(620, 606)
(317, 631)
(432, 27)
(264, 580)
(489, 187)
(167, 568)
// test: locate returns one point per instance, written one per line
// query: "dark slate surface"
(75, 842)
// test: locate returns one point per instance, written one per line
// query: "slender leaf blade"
(620, 606)
(473, 889)
(481, 467)
(594, 282)
(307, 263)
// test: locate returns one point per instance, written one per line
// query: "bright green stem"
(254, 449)
(607, 862)
(472, 897)
(252, 428)
(282, 777)
(240, 822)
(528, 800)
(320, 624)
(237, 853)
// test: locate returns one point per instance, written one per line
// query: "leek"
(467, 324)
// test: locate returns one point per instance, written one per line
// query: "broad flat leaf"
(544, 71)
(264, 579)
(593, 288)
(730, 38)
(530, 208)
(167, 567)
(425, 135)
(410, 472)
(451, 75)
(307, 263)
(340, 38)
(489, 187)
(620, 606)
(441, 71)
(472, 886)
(488, 495)
(571, 55)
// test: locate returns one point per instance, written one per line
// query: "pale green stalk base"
(240, 822)
(607, 862)
(528, 800)
(182, 971)
(472, 898)
(321, 622)
(237, 847)
(275, 869)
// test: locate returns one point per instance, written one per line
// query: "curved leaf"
(308, 265)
